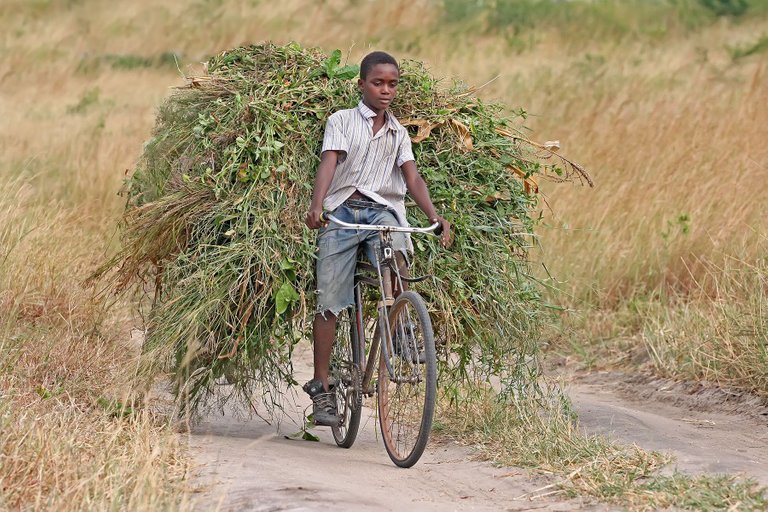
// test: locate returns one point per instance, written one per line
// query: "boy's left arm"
(418, 190)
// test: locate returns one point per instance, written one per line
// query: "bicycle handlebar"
(327, 217)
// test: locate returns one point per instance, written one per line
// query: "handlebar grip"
(438, 230)
(324, 217)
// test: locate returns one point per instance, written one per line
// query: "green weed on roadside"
(611, 20)
(741, 51)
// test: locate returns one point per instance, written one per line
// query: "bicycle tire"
(406, 408)
(345, 369)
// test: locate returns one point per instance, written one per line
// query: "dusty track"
(708, 429)
(250, 465)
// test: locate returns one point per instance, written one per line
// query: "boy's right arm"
(325, 172)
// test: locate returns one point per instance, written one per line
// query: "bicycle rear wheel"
(407, 396)
(345, 371)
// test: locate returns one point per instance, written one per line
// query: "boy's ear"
(360, 83)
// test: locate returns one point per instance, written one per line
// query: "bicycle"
(405, 364)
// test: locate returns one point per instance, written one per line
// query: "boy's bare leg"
(323, 332)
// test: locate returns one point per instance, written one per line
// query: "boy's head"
(379, 76)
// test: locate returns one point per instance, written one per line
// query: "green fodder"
(216, 208)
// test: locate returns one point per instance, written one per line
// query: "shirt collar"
(367, 113)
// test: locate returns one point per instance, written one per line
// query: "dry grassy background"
(662, 263)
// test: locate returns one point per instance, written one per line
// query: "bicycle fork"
(385, 284)
(383, 267)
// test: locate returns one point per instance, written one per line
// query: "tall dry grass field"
(662, 264)
(664, 256)
(71, 436)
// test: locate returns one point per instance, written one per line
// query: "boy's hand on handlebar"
(445, 232)
(314, 219)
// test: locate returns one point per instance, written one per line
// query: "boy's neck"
(379, 113)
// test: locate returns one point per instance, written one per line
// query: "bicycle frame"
(383, 267)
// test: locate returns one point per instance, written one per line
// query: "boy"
(366, 167)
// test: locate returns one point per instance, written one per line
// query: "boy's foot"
(324, 409)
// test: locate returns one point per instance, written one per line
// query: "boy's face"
(380, 86)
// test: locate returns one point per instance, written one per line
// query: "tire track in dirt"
(708, 429)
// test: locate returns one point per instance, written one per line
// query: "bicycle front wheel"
(345, 371)
(407, 392)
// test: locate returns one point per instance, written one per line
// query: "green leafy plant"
(114, 408)
(681, 225)
(87, 100)
(746, 50)
(726, 7)
(333, 68)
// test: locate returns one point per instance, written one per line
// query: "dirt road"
(709, 430)
(250, 465)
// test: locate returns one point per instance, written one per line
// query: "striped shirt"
(368, 163)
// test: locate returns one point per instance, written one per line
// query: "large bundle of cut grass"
(216, 208)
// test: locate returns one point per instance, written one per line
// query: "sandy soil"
(709, 430)
(251, 465)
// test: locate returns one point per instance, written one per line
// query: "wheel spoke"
(345, 372)
(406, 398)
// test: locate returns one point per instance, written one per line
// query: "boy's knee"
(325, 316)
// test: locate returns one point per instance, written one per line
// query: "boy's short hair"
(373, 59)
